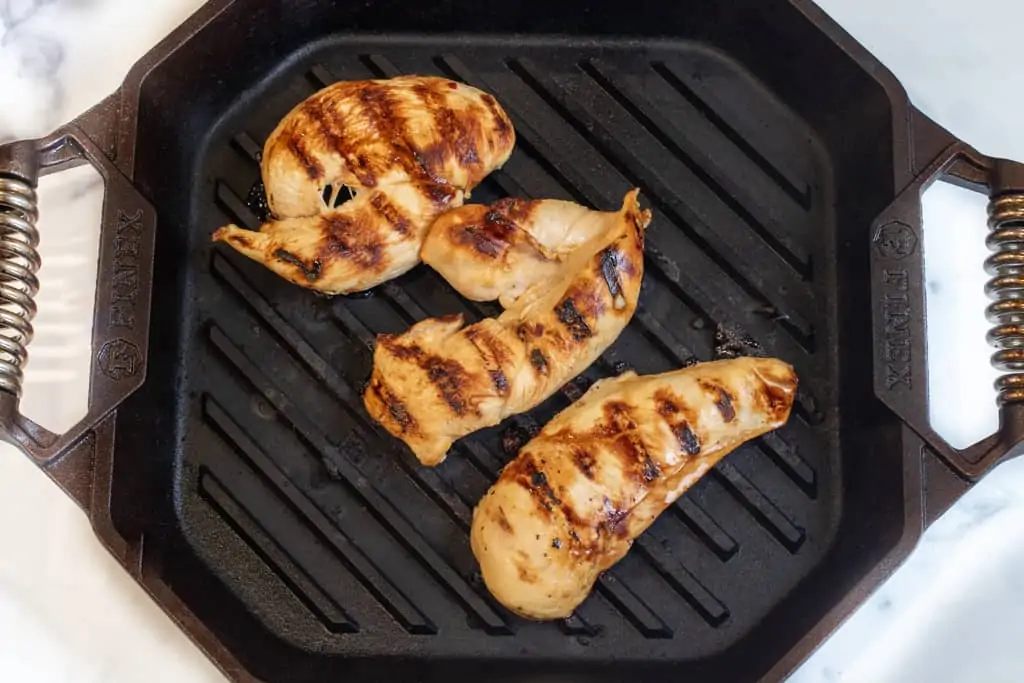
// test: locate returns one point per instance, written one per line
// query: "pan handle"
(124, 283)
(897, 269)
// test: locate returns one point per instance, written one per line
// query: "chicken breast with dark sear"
(442, 380)
(406, 149)
(577, 495)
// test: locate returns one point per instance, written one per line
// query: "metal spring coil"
(1006, 289)
(19, 263)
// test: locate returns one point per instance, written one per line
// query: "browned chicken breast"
(500, 251)
(441, 381)
(407, 149)
(569, 506)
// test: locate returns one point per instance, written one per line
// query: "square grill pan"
(228, 462)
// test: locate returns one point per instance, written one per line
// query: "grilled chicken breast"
(442, 380)
(407, 149)
(571, 503)
(500, 251)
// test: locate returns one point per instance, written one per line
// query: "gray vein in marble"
(14, 13)
(830, 675)
(40, 57)
(974, 513)
(37, 58)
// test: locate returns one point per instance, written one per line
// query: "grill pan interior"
(310, 541)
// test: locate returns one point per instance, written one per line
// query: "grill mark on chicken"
(496, 229)
(610, 258)
(448, 376)
(636, 459)
(539, 362)
(440, 194)
(524, 471)
(668, 408)
(584, 461)
(346, 238)
(723, 400)
(242, 241)
(525, 575)
(573, 321)
(380, 109)
(480, 241)
(500, 382)
(503, 520)
(365, 170)
(651, 471)
(312, 272)
(491, 237)
(628, 446)
(540, 481)
(724, 404)
(392, 214)
(312, 167)
(641, 219)
(396, 408)
(452, 132)
(688, 440)
(495, 356)
(324, 121)
(524, 332)
(464, 134)
(619, 417)
(502, 126)
(587, 294)
(496, 350)
(666, 404)
(426, 166)
(432, 159)
(515, 209)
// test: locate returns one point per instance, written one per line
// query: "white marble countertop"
(68, 613)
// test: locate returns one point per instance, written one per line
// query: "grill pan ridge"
(242, 482)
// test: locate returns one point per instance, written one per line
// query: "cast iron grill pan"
(225, 459)
(326, 530)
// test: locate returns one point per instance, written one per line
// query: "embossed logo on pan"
(125, 272)
(895, 241)
(119, 359)
(897, 351)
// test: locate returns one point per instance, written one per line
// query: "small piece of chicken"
(407, 149)
(577, 495)
(441, 381)
(500, 251)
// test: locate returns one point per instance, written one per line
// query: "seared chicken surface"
(577, 495)
(407, 149)
(441, 380)
(500, 251)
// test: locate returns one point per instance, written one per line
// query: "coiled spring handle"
(1006, 289)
